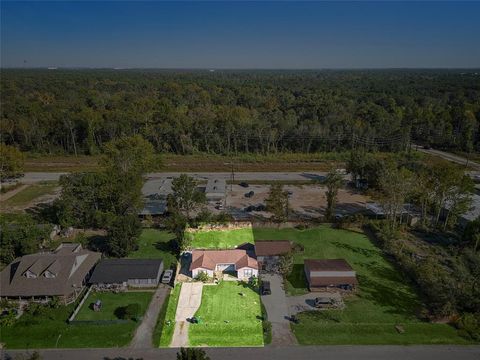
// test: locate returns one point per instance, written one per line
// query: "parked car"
(167, 276)
(243, 184)
(260, 207)
(326, 302)
(219, 207)
(265, 288)
(249, 194)
(250, 208)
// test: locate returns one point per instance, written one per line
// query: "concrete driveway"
(278, 312)
(188, 303)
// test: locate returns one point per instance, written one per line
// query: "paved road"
(436, 352)
(188, 303)
(143, 335)
(450, 157)
(277, 311)
(32, 177)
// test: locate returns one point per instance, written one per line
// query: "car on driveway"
(265, 288)
(249, 194)
(243, 184)
(326, 303)
(167, 276)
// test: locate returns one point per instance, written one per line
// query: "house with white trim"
(241, 263)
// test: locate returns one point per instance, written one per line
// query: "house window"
(248, 272)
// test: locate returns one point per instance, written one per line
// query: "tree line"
(78, 111)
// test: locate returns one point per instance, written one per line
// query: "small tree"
(123, 233)
(185, 198)
(277, 203)
(285, 264)
(472, 234)
(11, 161)
(192, 354)
(202, 276)
(333, 182)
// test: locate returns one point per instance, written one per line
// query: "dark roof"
(272, 247)
(332, 280)
(111, 271)
(51, 273)
(327, 265)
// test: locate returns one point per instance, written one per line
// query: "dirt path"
(143, 334)
(188, 304)
(11, 193)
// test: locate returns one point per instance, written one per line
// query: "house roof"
(332, 280)
(121, 270)
(272, 247)
(327, 265)
(208, 259)
(54, 273)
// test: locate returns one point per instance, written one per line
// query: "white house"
(212, 262)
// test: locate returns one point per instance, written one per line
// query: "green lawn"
(227, 317)
(166, 320)
(31, 193)
(156, 244)
(385, 298)
(221, 239)
(50, 329)
(110, 302)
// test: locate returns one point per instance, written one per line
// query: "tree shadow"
(355, 249)
(167, 246)
(297, 278)
(98, 243)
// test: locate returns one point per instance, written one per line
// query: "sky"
(240, 35)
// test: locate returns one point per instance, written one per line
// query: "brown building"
(329, 273)
(268, 252)
(61, 273)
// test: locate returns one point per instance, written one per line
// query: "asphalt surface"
(33, 177)
(450, 157)
(436, 352)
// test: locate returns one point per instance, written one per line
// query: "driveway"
(188, 304)
(297, 304)
(144, 332)
(277, 311)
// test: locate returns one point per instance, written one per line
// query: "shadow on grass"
(169, 246)
(355, 249)
(297, 277)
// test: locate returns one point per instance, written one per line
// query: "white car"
(167, 276)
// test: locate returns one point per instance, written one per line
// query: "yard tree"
(122, 235)
(277, 203)
(128, 155)
(396, 186)
(285, 264)
(11, 161)
(472, 234)
(333, 182)
(452, 188)
(185, 198)
(192, 354)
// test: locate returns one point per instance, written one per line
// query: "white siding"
(198, 270)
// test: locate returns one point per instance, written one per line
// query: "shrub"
(202, 276)
(129, 312)
(469, 326)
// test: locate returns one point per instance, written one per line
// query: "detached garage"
(127, 272)
(329, 273)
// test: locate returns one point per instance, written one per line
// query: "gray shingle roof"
(69, 265)
(111, 271)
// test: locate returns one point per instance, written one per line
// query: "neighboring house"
(62, 273)
(215, 189)
(127, 272)
(268, 252)
(216, 262)
(326, 273)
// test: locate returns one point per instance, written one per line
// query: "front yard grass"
(227, 317)
(49, 329)
(31, 193)
(166, 319)
(385, 297)
(156, 244)
(110, 302)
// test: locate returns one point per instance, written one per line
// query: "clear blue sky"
(240, 34)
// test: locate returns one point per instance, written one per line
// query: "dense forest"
(77, 111)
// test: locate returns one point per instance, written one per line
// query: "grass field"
(385, 298)
(50, 329)
(227, 317)
(30, 193)
(166, 320)
(156, 244)
(110, 302)
(215, 239)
